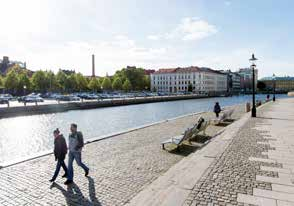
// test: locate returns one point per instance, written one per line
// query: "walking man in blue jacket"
(75, 145)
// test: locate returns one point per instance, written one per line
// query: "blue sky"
(220, 34)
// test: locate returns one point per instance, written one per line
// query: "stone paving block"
(283, 188)
(275, 169)
(253, 200)
(273, 194)
(284, 203)
(282, 180)
(262, 160)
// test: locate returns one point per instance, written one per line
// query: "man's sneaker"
(52, 180)
(64, 176)
(87, 173)
(68, 182)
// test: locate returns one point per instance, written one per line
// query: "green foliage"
(61, 80)
(261, 85)
(117, 84)
(82, 83)
(136, 76)
(94, 85)
(11, 81)
(52, 82)
(106, 84)
(127, 86)
(1, 81)
(190, 88)
(147, 82)
(71, 83)
(39, 81)
(23, 81)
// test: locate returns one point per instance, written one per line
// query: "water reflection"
(25, 136)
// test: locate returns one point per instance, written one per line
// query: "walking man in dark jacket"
(217, 109)
(60, 150)
(75, 145)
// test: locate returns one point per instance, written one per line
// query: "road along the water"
(27, 136)
(120, 167)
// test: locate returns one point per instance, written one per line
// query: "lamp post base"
(253, 112)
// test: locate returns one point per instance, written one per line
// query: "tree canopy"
(106, 84)
(127, 86)
(117, 84)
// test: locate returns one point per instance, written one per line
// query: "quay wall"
(63, 107)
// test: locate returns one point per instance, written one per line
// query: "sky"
(153, 34)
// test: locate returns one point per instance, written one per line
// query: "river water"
(23, 137)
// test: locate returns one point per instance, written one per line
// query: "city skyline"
(221, 35)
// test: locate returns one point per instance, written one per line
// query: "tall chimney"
(93, 65)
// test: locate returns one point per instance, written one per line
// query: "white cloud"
(153, 37)
(192, 29)
(189, 29)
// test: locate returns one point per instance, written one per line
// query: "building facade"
(193, 79)
(281, 84)
(233, 82)
(246, 79)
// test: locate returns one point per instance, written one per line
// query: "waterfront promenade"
(121, 167)
(251, 163)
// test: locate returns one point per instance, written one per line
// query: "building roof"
(277, 78)
(187, 69)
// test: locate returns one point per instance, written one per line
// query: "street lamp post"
(253, 60)
(274, 87)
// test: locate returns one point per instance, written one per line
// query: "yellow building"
(282, 84)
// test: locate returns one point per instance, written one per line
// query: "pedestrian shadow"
(74, 196)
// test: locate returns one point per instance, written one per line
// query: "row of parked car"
(38, 97)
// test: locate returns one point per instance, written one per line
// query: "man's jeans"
(78, 157)
(60, 163)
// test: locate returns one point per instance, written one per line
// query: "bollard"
(247, 107)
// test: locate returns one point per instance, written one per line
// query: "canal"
(23, 137)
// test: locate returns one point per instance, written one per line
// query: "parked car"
(31, 98)
(4, 100)
(68, 98)
(8, 97)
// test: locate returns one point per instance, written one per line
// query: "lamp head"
(253, 59)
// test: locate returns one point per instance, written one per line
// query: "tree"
(106, 84)
(190, 88)
(94, 85)
(52, 82)
(127, 86)
(82, 83)
(1, 81)
(71, 84)
(134, 75)
(147, 82)
(61, 79)
(261, 85)
(11, 81)
(23, 83)
(117, 84)
(39, 81)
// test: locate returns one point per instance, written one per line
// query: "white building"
(197, 79)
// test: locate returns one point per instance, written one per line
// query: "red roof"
(186, 69)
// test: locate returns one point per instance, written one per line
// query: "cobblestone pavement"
(120, 167)
(252, 165)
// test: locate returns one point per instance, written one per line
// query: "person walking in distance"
(60, 151)
(75, 145)
(217, 109)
